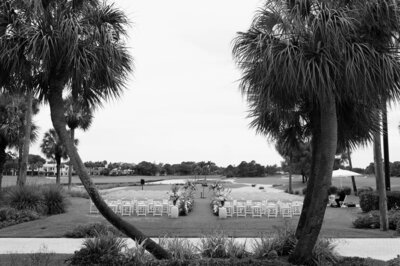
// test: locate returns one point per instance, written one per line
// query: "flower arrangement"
(220, 195)
(183, 197)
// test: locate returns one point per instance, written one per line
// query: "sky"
(182, 101)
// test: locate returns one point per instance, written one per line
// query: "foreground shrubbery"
(92, 230)
(369, 200)
(27, 203)
(10, 216)
(44, 199)
(372, 220)
(214, 249)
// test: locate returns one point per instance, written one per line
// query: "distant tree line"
(244, 169)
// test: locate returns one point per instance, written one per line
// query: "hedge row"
(369, 200)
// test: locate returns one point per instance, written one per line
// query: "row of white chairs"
(269, 209)
(139, 207)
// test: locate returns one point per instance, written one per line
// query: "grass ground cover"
(337, 223)
(35, 259)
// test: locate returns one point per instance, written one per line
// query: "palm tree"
(312, 54)
(53, 148)
(31, 108)
(9, 124)
(78, 115)
(79, 42)
(11, 110)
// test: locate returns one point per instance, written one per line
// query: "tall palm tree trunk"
(290, 176)
(313, 171)
(353, 180)
(21, 180)
(58, 119)
(70, 165)
(3, 158)
(386, 146)
(58, 170)
(302, 253)
(384, 224)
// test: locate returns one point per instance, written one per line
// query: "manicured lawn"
(337, 223)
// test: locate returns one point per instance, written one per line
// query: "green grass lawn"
(337, 222)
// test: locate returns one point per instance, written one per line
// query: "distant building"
(50, 169)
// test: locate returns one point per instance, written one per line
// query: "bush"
(26, 198)
(92, 230)
(370, 200)
(54, 199)
(304, 190)
(282, 241)
(324, 254)
(180, 248)
(372, 219)
(332, 190)
(364, 189)
(102, 250)
(10, 216)
(213, 245)
(297, 192)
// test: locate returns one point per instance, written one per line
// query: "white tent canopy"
(344, 173)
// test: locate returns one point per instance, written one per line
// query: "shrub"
(394, 262)
(102, 250)
(364, 189)
(372, 219)
(304, 190)
(332, 190)
(370, 200)
(26, 198)
(54, 199)
(236, 250)
(282, 241)
(92, 230)
(180, 248)
(297, 192)
(324, 254)
(213, 245)
(10, 216)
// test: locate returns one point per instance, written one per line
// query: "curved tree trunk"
(308, 237)
(384, 224)
(58, 119)
(27, 140)
(58, 170)
(70, 165)
(310, 183)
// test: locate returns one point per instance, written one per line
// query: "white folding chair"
(141, 209)
(229, 208)
(157, 208)
(286, 210)
(126, 207)
(92, 208)
(249, 203)
(297, 206)
(272, 210)
(150, 206)
(114, 205)
(256, 211)
(240, 209)
(165, 206)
